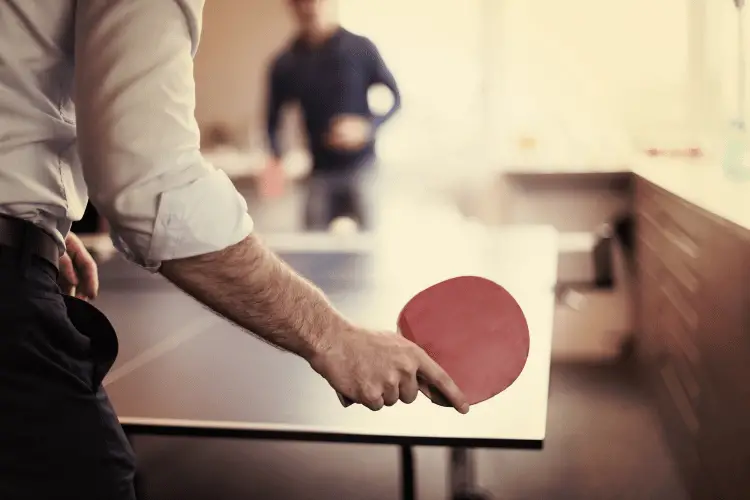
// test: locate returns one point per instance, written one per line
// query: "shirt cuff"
(204, 216)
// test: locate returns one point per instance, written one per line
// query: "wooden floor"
(603, 443)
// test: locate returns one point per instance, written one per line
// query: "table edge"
(244, 430)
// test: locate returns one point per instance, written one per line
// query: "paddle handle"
(345, 402)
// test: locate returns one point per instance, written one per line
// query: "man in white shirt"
(132, 145)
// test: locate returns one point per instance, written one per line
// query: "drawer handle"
(682, 242)
(684, 276)
(685, 342)
(686, 312)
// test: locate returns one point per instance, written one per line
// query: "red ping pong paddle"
(474, 329)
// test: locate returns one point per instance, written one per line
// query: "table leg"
(408, 484)
(463, 476)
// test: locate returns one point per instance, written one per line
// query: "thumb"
(67, 278)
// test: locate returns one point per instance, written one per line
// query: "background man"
(329, 71)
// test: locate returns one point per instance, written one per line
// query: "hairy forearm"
(249, 285)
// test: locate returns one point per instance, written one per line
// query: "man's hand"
(378, 369)
(78, 275)
(349, 132)
(272, 180)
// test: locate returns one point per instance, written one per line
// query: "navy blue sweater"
(328, 80)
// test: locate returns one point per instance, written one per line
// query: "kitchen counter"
(692, 303)
(698, 182)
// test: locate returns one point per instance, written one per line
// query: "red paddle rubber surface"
(474, 329)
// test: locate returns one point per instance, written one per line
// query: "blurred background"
(587, 83)
(514, 112)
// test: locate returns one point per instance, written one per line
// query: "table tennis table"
(183, 371)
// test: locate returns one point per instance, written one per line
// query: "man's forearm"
(252, 287)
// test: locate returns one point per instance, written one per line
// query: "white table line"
(169, 344)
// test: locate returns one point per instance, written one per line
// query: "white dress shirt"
(131, 142)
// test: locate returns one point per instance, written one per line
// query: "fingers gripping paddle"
(474, 329)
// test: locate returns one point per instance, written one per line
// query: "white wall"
(721, 50)
(584, 76)
(230, 67)
(586, 79)
(239, 40)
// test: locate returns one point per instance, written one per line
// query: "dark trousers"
(59, 436)
(330, 195)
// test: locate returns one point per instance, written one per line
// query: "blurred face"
(310, 14)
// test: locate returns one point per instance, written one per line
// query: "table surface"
(182, 367)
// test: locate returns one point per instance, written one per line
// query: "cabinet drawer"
(650, 303)
(684, 247)
(681, 306)
(649, 262)
(724, 335)
(679, 422)
(684, 273)
(683, 357)
(684, 226)
(661, 247)
(687, 221)
(648, 231)
(649, 244)
(646, 197)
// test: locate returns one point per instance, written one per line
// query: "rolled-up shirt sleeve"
(138, 138)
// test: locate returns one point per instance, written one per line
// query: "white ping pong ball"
(343, 225)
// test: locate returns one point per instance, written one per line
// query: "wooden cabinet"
(693, 306)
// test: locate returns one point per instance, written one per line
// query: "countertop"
(699, 182)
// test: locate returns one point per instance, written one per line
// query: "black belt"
(29, 239)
